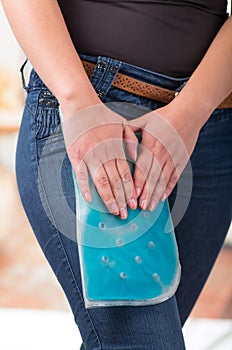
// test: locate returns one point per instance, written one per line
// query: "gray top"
(168, 37)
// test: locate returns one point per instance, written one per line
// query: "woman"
(182, 46)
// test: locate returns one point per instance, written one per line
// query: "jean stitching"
(28, 105)
(101, 76)
(67, 260)
(44, 114)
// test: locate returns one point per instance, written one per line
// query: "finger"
(131, 142)
(161, 185)
(150, 184)
(116, 187)
(103, 155)
(127, 182)
(171, 184)
(142, 168)
(160, 158)
(114, 151)
(103, 187)
(82, 179)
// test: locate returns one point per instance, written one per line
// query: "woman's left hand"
(168, 140)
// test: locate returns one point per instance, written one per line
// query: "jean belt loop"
(180, 88)
(22, 75)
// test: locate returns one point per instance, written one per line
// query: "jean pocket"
(47, 118)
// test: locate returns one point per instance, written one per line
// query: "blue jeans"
(200, 233)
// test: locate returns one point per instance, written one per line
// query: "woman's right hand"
(94, 141)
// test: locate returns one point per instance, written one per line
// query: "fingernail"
(138, 191)
(165, 196)
(123, 213)
(114, 209)
(144, 204)
(87, 196)
(152, 205)
(133, 203)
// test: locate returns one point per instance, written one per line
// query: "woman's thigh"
(47, 193)
(202, 206)
(203, 227)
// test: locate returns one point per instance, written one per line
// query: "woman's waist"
(98, 64)
(144, 34)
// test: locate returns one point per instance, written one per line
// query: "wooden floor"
(26, 280)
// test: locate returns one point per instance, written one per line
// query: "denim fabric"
(200, 233)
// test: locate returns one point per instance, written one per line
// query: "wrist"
(189, 109)
(72, 103)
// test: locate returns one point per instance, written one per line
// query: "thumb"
(131, 142)
(136, 124)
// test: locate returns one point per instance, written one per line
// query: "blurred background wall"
(26, 280)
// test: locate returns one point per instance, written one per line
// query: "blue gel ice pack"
(131, 261)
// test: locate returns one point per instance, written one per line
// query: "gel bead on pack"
(131, 261)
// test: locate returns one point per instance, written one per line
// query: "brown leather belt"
(141, 88)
